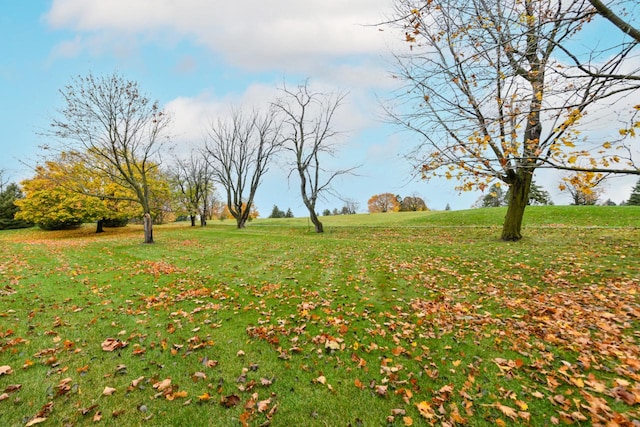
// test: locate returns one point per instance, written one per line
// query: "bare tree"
(110, 125)
(307, 118)
(193, 179)
(494, 90)
(239, 150)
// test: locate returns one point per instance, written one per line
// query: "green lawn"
(388, 319)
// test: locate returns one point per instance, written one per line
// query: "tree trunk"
(316, 222)
(193, 220)
(99, 226)
(203, 220)
(242, 222)
(518, 198)
(148, 228)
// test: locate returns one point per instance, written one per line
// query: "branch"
(608, 14)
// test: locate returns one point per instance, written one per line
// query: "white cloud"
(253, 34)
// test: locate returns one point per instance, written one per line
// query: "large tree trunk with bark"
(148, 228)
(193, 220)
(518, 200)
(99, 226)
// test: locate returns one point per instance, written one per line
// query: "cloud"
(253, 34)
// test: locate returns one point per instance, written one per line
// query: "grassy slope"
(441, 323)
(601, 216)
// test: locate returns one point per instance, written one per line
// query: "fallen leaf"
(381, 390)
(263, 405)
(229, 401)
(34, 421)
(162, 385)
(199, 376)
(137, 381)
(408, 421)
(507, 410)
(425, 410)
(108, 391)
(111, 344)
(5, 370)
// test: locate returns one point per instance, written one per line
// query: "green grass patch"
(387, 319)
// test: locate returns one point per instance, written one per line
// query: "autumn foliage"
(373, 326)
(385, 202)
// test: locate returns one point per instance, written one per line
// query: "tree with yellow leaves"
(497, 89)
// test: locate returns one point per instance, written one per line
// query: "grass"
(387, 319)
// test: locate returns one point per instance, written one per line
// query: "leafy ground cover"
(398, 320)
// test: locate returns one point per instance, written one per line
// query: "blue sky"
(199, 57)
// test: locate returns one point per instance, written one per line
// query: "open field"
(387, 319)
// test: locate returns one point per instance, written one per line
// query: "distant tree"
(307, 118)
(326, 212)
(539, 196)
(8, 196)
(385, 202)
(583, 188)
(493, 199)
(412, 204)
(118, 132)
(289, 214)
(239, 151)
(277, 213)
(335, 212)
(192, 179)
(634, 199)
(447, 208)
(226, 214)
(350, 207)
(609, 202)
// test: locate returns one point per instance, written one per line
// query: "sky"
(199, 58)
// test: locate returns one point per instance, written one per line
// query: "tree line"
(495, 90)
(107, 158)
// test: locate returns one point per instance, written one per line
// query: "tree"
(583, 188)
(350, 207)
(288, 214)
(496, 90)
(276, 213)
(117, 132)
(634, 199)
(193, 179)
(53, 206)
(539, 196)
(307, 118)
(239, 150)
(326, 212)
(413, 204)
(9, 195)
(493, 199)
(385, 202)
(226, 214)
